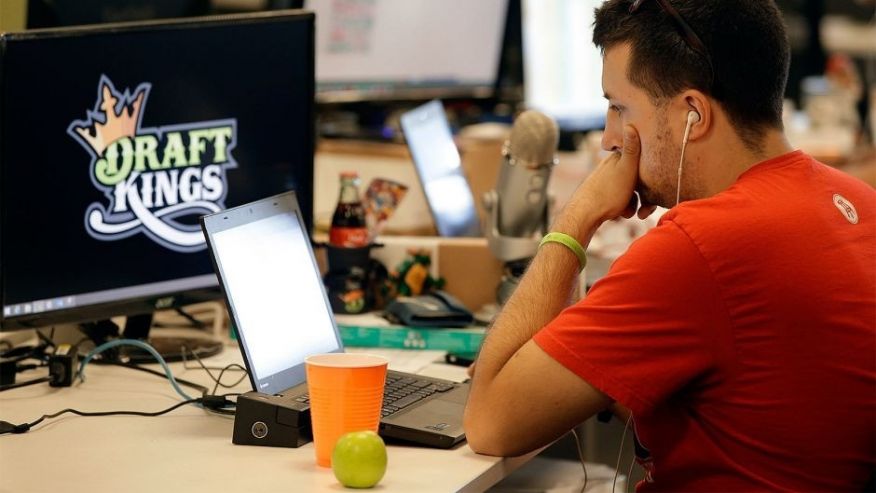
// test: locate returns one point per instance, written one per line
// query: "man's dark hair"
(745, 40)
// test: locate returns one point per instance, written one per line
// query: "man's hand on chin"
(512, 370)
(608, 192)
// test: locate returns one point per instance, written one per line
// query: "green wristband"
(568, 242)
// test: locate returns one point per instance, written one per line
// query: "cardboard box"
(469, 269)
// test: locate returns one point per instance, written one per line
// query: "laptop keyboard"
(401, 391)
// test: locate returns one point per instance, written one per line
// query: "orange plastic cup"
(346, 394)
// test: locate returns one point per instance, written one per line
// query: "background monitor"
(61, 13)
(562, 69)
(407, 49)
(57, 13)
(121, 136)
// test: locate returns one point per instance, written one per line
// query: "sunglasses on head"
(687, 33)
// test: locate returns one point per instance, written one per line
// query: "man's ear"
(694, 100)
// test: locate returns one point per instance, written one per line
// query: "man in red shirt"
(739, 335)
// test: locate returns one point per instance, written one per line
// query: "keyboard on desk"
(401, 391)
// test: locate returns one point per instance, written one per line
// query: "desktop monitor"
(407, 49)
(562, 69)
(115, 139)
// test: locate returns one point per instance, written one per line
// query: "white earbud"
(692, 117)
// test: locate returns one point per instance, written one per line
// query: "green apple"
(359, 459)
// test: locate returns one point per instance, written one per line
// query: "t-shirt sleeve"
(648, 328)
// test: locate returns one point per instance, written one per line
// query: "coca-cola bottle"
(348, 229)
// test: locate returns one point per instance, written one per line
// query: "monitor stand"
(171, 347)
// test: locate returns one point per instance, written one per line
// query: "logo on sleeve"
(846, 208)
(152, 180)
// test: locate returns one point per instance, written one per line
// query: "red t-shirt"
(741, 332)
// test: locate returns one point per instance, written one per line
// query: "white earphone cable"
(690, 122)
(620, 450)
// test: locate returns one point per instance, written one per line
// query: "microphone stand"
(515, 252)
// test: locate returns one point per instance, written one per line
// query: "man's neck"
(736, 159)
(775, 145)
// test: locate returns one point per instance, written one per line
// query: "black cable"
(22, 353)
(201, 366)
(217, 380)
(22, 367)
(191, 384)
(25, 384)
(163, 375)
(194, 321)
(213, 403)
(187, 383)
(47, 340)
(12, 361)
(219, 404)
(6, 427)
(224, 412)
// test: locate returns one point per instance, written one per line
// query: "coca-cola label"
(348, 237)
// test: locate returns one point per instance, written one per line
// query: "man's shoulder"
(768, 194)
(713, 216)
(771, 208)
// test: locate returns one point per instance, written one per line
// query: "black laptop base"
(271, 420)
(283, 420)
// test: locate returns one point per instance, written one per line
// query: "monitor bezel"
(172, 298)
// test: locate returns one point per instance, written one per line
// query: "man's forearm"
(546, 288)
(544, 291)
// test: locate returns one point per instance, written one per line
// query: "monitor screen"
(119, 137)
(407, 49)
(561, 66)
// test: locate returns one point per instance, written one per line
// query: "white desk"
(188, 449)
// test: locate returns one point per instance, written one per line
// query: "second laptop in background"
(439, 168)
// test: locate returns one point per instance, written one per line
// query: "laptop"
(263, 258)
(439, 168)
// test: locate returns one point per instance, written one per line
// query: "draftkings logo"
(156, 181)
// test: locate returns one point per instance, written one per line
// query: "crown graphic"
(99, 135)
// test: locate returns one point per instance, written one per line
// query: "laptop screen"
(274, 289)
(439, 167)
